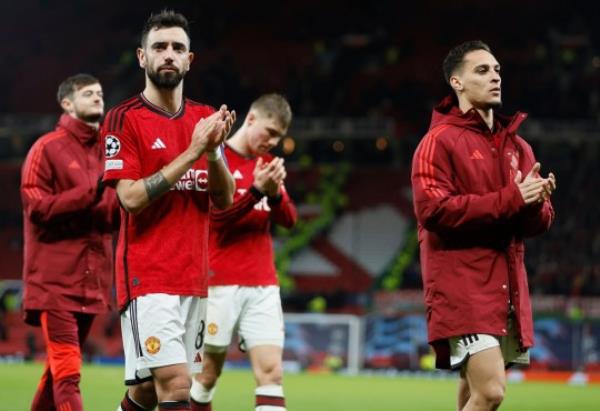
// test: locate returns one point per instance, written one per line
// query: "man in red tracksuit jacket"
(477, 194)
(68, 220)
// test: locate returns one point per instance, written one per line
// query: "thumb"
(534, 170)
(259, 163)
(518, 177)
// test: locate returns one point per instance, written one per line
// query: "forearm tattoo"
(156, 185)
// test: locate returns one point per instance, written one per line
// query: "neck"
(238, 142)
(486, 114)
(167, 99)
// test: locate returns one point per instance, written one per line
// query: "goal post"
(325, 340)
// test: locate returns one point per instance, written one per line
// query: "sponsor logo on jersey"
(152, 345)
(192, 180)
(113, 165)
(112, 146)
(158, 144)
(212, 329)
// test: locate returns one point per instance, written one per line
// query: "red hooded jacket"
(472, 222)
(68, 224)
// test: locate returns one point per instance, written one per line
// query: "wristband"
(214, 155)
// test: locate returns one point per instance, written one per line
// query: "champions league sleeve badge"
(112, 146)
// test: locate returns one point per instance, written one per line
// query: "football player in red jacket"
(477, 194)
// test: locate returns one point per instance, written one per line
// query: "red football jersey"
(163, 249)
(240, 245)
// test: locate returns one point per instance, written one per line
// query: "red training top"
(67, 224)
(472, 222)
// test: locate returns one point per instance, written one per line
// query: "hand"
(533, 188)
(210, 132)
(269, 177)
(550, 187)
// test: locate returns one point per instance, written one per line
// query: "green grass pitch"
(103, 388)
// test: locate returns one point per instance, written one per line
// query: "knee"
(493, 393)
(271, 374)
(173, 387)
(144, 394)
(208, 378)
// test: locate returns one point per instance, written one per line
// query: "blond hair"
(273, 105)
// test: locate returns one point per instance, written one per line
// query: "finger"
(518, 177)
(534, 170)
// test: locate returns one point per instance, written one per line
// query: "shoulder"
(115, 117)
(50, 140)
(445, 135)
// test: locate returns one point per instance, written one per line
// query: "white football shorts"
(466, 345)
(254, 312)
(160, 330)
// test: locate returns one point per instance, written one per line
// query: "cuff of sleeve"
(515, 200)
(256, 193)
(275, 200)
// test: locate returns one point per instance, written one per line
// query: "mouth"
(168, 68)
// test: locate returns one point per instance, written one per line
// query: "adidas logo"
(237, 175)
(158, 144)
(476, 155)
(74, 165)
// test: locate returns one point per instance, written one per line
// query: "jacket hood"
(448, 112)
(81, 131)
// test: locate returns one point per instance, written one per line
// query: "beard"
(166, 80)
(89, 117)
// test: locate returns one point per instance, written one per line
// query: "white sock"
(270, 391)
(199, 393)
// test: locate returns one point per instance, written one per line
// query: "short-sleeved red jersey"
(240, 246)
(163, 249)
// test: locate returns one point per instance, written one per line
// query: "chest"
(484, 164)
(74, 164)
(242, 171)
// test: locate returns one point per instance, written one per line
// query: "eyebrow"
(176, 44)
(486, 66)
(274, 132)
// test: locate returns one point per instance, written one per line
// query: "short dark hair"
(71, 84)
(274, 105)
(456, 56)
(165, 19)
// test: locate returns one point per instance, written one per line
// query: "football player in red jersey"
(164, 155)
(243, 287)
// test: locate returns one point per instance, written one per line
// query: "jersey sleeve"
(283, 210)
(41, 202)
(240, 208)
(121, 152)
(438, 204)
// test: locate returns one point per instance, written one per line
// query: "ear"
(456, 84)
(67, 105)
(250, 118)
(141, 55)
